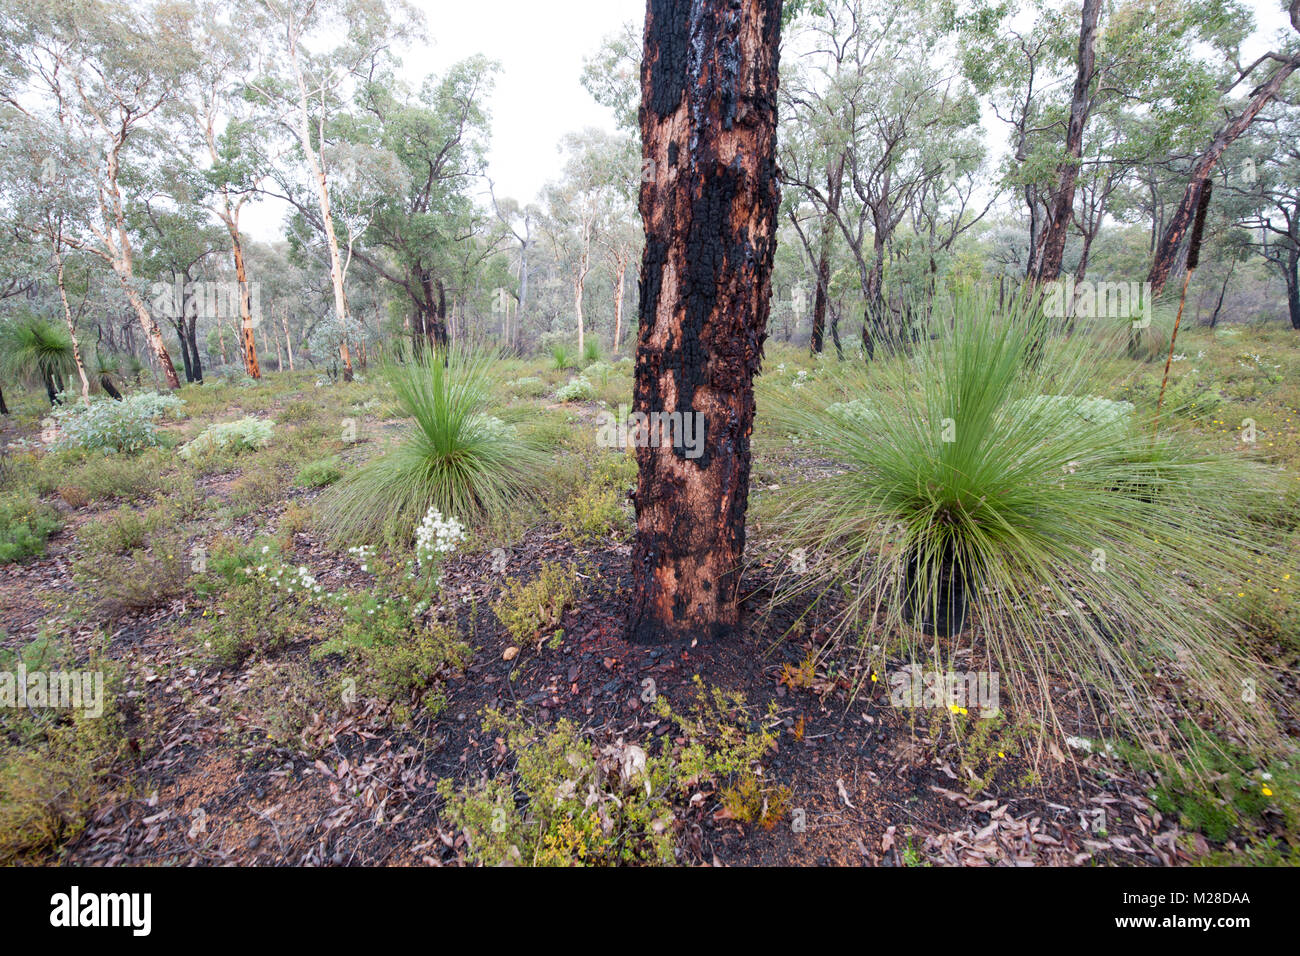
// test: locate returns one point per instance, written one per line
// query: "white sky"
(540, 45)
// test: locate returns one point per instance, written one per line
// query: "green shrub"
(118, 532)
(529, 386)
(580, 805)
(54, 764)
(575, 390)
(566, 802)
(246, 434)
(525, 610)
(318, 474)
(25, 525)
(148, 577)
(256, 616)
(104, 475)
(106, 425)
(398, 659)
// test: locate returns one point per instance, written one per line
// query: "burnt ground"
(873, 787)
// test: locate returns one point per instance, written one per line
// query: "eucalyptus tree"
(708, 134)
(516, 219)
(311, 59)
(227, 131)
(1261, 193)
(437, 136)
(1276, 67)
(876, 121)
(100, 77)
(179, 246)
(581, 205)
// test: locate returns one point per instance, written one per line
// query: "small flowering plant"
(435, 538)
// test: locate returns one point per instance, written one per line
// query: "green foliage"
(119, 531)
(600, 508)
(54, 763)
(148, 577)
(529, 386)
(560, 357)
(569, 803)
(1063, 529)
(575, 390)
(318, 474)
(102, 475)
(106, 425)
(34, 349)
(580, 806)
(396, 656)
(1218, 789)
(25, 525)
(455, 458)
(591, 350)
(255, 618)
(246, 434)
(527, 609)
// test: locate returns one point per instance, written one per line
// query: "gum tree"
(708, 129)
(102, 77)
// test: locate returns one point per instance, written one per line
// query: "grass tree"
(456, 456)
(708, 130)
(985, 501)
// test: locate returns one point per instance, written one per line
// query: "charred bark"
(1062, 208)
(1172, 239)
(708, 127)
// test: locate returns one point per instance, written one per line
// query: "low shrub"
(527, 609)
(577, 389)
(246, 434)
(25, 525)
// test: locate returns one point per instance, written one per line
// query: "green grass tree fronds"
(982, 499)
(455, 455)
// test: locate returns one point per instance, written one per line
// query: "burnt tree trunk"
(1062, 208)
(1172, 239)
(708, 127)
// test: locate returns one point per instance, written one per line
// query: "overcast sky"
(540, 45)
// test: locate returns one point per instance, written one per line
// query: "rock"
(510, 654)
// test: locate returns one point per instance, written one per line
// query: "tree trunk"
(4, 409)
(152, 333)
(251, 365)
(620, 272)
(72, 334)
(1062, 208)
(708, 125)
(192, 338)
(1172, 240)
(288, 340)
(834, 185)
(577, 308)
(1293, 287)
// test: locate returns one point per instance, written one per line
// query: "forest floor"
(258, 757)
